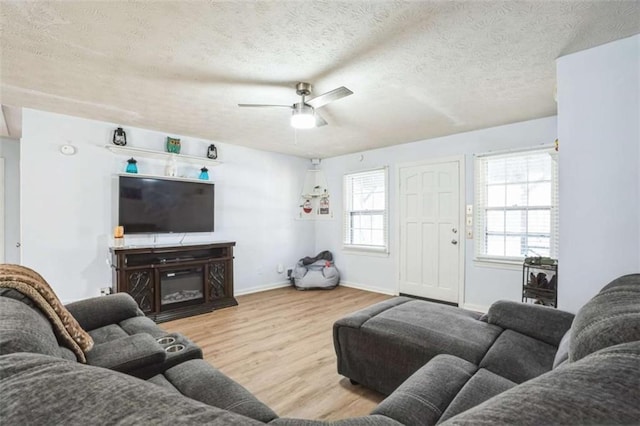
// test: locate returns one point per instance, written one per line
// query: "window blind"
(516, 205)
(365, 209)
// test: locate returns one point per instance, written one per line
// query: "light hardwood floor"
(278, 344)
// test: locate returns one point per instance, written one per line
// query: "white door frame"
(462, 240)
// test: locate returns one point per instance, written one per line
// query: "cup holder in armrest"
(166, 340)
(177, 348)
(174, 348)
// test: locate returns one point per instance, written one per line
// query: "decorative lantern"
(212, 152)
(131, 166)
(204, 174)
(119, 137)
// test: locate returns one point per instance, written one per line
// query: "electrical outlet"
(469, 234)
(280, 268)
(469, 208)
(104, 291)
(469, 220)
(289, 272)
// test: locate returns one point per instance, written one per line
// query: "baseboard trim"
(367, 288)
(262, 288)
(288, 284)
(427, 299)
(477, 308)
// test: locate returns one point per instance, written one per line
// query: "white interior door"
(430, 236)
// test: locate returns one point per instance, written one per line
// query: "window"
(516, 204)
(365, 210)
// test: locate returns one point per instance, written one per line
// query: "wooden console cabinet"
(150, 273)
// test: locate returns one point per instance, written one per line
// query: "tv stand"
(170, 282)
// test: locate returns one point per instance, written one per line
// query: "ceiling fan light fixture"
(302, 117)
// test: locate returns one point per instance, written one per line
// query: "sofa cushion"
(202, 382)
(424, 396)
(107, 333)
(135, 325)
(38, 389)
(31, 284)
(563, 350)
(611, 317)
(139, 355)
(601, 388)
(406, 333)
(483, 385)
(25, 329)
(14, 294)
(66, 353)
(518, 357)
(440, 328)
(161, 380)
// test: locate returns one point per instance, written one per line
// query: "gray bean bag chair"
(316, 272)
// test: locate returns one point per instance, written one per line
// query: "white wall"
(483, 285)
(10, 151)
(599, 132)
(68, 203)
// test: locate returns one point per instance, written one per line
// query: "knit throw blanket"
(32, 285)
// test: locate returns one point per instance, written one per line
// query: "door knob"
(454, 230)
(17, 244)
(454, 242)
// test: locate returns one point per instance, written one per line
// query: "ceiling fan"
(303, 114)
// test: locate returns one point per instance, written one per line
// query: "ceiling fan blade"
(319, 120)
(264, 106)
(331, 96)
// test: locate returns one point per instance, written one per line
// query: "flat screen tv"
(155, 205)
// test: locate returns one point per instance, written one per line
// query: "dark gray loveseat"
(599, 383)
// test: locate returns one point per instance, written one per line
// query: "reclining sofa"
(128, 348)
(133, 378)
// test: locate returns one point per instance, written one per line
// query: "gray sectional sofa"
(439, 361)
(129, 381)
(384, 344)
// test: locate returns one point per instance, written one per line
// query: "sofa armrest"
(198, 380)
(104, 310)
(423, 397)
(134, 355)
(537, 321)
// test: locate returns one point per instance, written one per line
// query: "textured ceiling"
(418, 69)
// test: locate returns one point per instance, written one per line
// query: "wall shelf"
(149, 153)
(315, 195)
(178, 178)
